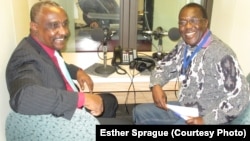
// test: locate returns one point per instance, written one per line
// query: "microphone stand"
(159, 54)
(173, 35)
(105, 69)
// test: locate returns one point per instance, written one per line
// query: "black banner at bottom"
(172, 132)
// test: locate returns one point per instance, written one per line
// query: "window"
(129, 24)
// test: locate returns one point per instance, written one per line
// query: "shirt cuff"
(81, 100)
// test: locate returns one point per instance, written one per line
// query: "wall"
(7, 46)
(230, 21)
(13, 28)
(166, 17)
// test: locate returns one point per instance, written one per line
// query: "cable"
(131, 84)
(128, 91)
(99, 51)
(175, 86)
(145, 16)
(144, 55)
(118, 67)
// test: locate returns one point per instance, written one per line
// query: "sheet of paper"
(184, 112)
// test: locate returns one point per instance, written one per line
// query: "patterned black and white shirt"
(213, 81)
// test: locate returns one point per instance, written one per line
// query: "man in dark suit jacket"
(35, 83)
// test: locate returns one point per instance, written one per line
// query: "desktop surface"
(120, 85)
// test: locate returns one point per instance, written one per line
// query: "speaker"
(141, 64)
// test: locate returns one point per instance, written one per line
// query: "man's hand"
(195, 121)
(82, 78)
(94, 104)
(159, 97)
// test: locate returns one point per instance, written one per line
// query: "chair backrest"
(248, 78)
(244, 118)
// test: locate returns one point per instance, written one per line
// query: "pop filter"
(97, 34)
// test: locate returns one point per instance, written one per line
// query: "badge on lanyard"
(182, 77)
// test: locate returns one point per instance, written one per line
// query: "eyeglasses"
(56, 25)
(192, 21)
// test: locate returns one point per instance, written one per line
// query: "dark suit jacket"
(35, 85)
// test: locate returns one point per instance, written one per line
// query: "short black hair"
(196, 5)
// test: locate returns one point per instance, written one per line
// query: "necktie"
(65, 70)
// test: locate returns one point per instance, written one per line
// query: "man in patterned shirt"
(211, 77)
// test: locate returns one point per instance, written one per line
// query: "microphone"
(99, 34)
(103, 35)
(173, 33)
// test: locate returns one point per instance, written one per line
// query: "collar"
(47, 49)
(207, 40)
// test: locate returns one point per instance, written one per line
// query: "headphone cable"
(118, 67)
(131, 85)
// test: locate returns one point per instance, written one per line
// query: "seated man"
(209, 73)
(44, 99)
(98, 6)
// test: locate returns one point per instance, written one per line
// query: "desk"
(115, 83)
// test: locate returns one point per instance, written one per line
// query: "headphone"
(142, 64)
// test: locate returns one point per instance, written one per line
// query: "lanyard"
(186, 60)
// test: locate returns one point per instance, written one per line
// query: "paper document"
(184, 112)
